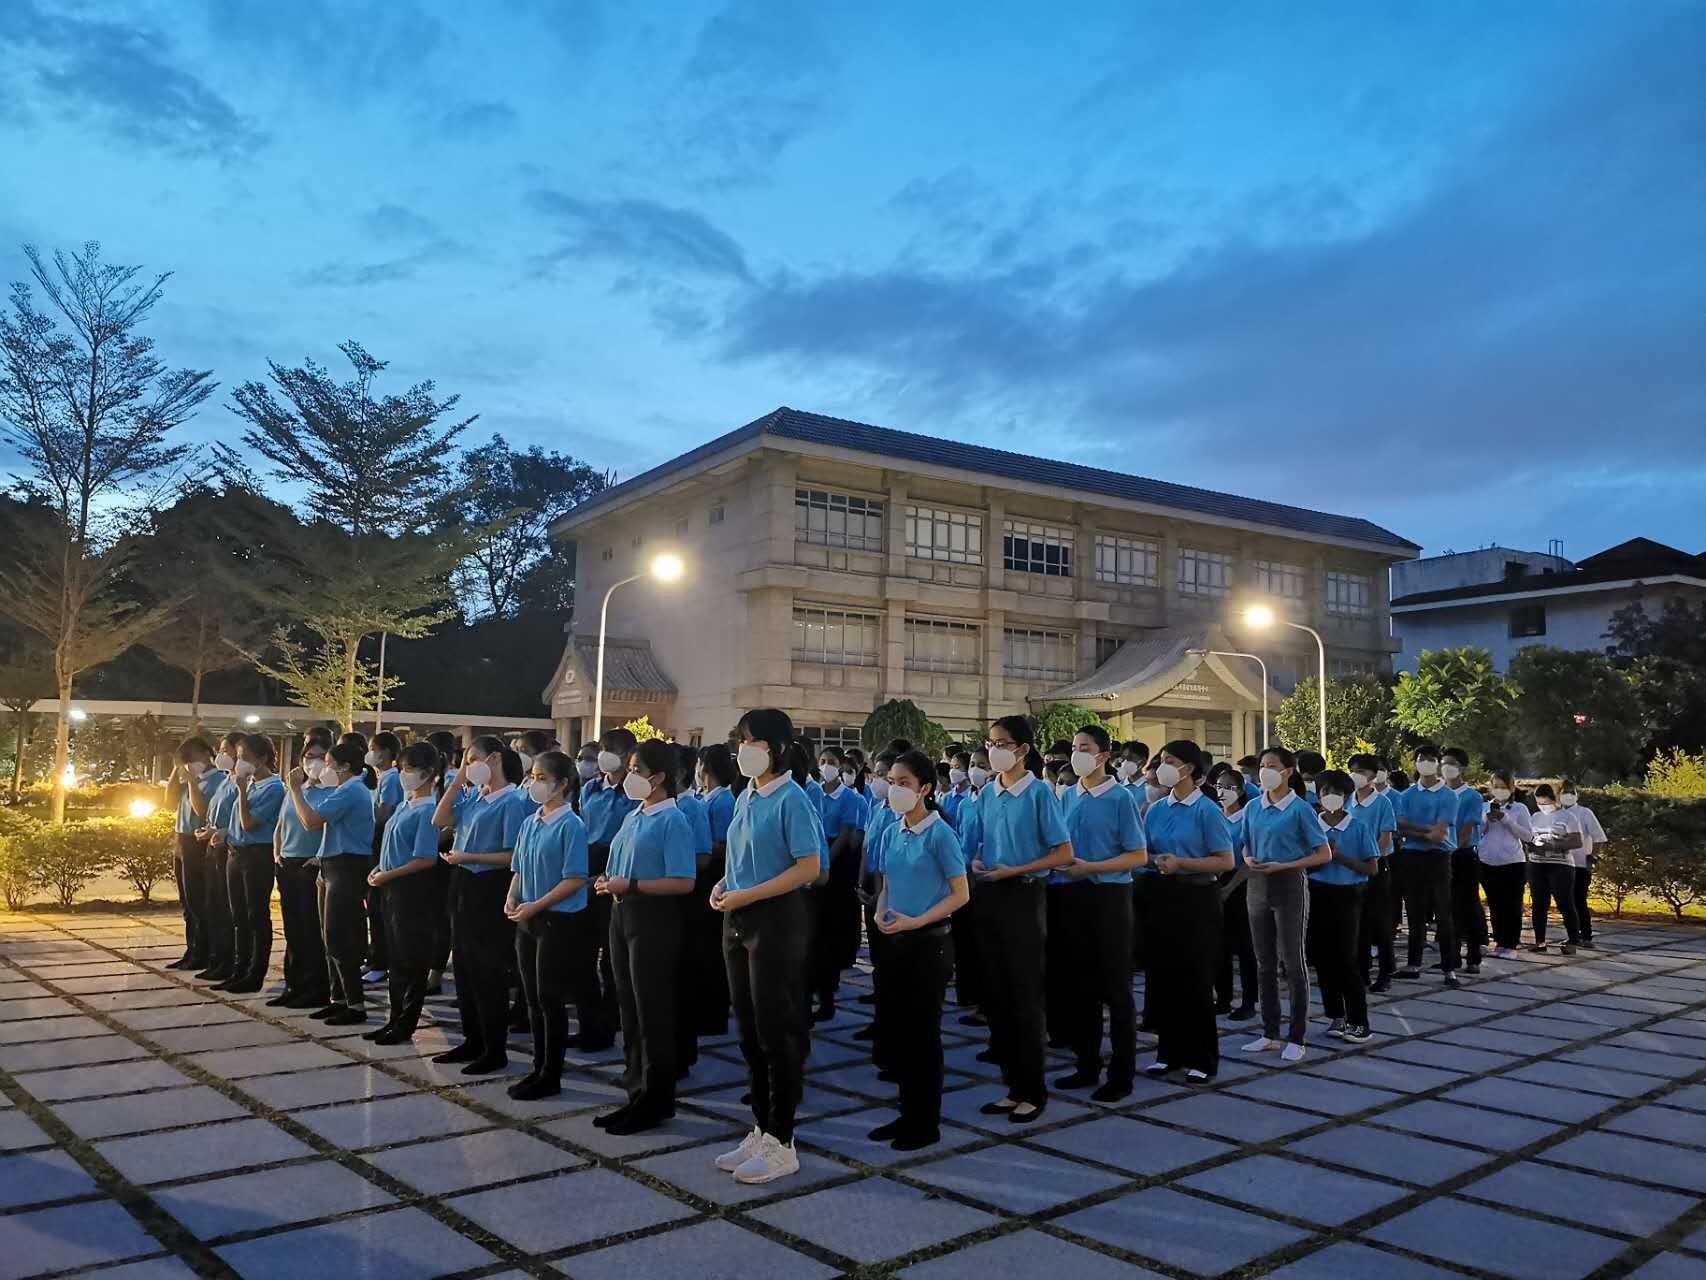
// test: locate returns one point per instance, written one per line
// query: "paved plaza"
(1547, 1121)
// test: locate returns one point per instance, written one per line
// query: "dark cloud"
(477, 120)
(125, 76)
(640, 234)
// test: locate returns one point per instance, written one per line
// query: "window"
(1041, 655)
(637, 540)
(1348, 593)
(1528, 620)
(935, 534)
(1204, 573)
(838, 520)
(1338, 668)
(934, 644)
(845, 736)
(836, 638)
(1037, 548)
(714, 515)
(1283, 580)
(1106, 648)
(1128, 561)
(609, 553)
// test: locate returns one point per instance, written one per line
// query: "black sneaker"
(1408, 974)
(1473, 970)
(1538, 948)
(1243, 1013)
(1079, 1079)
(1356, 1034)
(1451, 980)
(1568, 949)
(1382, 983)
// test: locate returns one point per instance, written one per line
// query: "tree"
(1665, 658)
(1455, 698)
(512, 499)
(902, 718)
(1575, 714)
(89, 408)
(1059, 722)
(1359, 710)
(1678, 633)
(644, 730)
(26, 677)
(370, 464)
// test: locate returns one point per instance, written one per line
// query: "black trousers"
(1095, 924)
(1376, 928)
(645, 952)
(550, 950)
(1424, 881)
(704, 1008)
(191, 871)
(378, 939)
(1014, 942)
(409, 924)
(1335, 930)
(1468, 920)
(835, 925)
(216, 900)
(1061, 982)
(343, 925)
(916, 968)
(877, 942)
(1504, 885)
(304, 949)
(1235, 944)
(969, 983)
(1184, 950)
(248, 883)
(1142, 931)
(764, 949)
(602, 975)
(483, 950)
(442, 876)
(1584, 913)
(1550, 882)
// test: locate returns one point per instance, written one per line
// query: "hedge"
(37, 855)
(1656, 846)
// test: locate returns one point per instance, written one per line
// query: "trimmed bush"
(142, 850)
(65, 859)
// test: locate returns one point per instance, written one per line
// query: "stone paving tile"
(1348, 1261)
(1311, 1093)
(1654, 1041)
(18, 1131)
(38, 1007)
(1692, 1098)
(1026, 1253)
(961, 1107)
(1585, 1079)
(111, 1117)
(841, 1219)
(1231, 1117)
(472, 1160)
(1295, 1190)
(1669, 1266)
(1663, 1065)
(188, 1153)
(1132, 1144)
(1507, 1042)
(702, 1251)
(133, 981)
(400, 1244)
(1015, 1179)
(98, 1082)
(1514, 1097)
(238, 1064)
(271, 1198)
(685, 1129)
(692, 1169)
(384, 1121)
(1183, 1231)
(204, 1014)
(1580, 1198)
(221, 1035)
(844, 1135)
(1477, 1236)
(1447, 1057)
(530, 1215)
(1400, 1077)
(69, 1053)
(327, 1085)
(39, 1177)
(71, 1236)
(1635, 1158)
(1496, 1131)
(1391, 1155)
(1664, 1124)
(150, 1269)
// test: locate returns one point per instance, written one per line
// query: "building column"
(894, 649)
(994, 663)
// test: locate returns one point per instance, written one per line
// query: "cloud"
(477, 120)
(397, 222)
(639, 233)
(123, 76)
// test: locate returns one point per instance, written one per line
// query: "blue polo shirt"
(843, 810)
(1020, 824)
(1471, 813)
(603, 810)
(389, 792)
(1425, 806)
(1102, 824)
(266, 798)
(772, 829)
(348, 811)
(881, 818)
(294, 839)
(720, 808)
(548, 851)
(953, 802)
(918, 863)
(698, 821)
(1359, 840)
(487, 824)
(1189, 828)
(1285, 832)
(409, 835)
(1377, 813)
(221, 804)
(1240, 836)
(188, 822)
(653, 844)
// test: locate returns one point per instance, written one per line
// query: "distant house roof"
(1637, 560)
(628, 666)
(905, 446)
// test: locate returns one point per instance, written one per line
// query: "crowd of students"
(656, 888)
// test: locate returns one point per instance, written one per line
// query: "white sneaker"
(1294, 1053)
(1264, 1045)
(771, 1161)
(729, 1161)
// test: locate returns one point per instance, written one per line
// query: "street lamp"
(663, 568)
(1261, 617)
(251, 718)
(1234, 653)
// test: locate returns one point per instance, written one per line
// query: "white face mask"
(478, 772)
(1270, 779)
(979, 776)
(1568, 799)
(539, 791)
(1168, 774)
(245, 768)
(1154, 791)
(372, 759)
(752, 757)
(1501, 794)
(636, 788)
(1362, 780)
(879, 788)
(1332, 803)
(609, 762)
(1451, 772)
(329, 776)
(1229, 795)
(1309, 789)
(1380, 777)
(831, 774)
(588, 769)
(957, 776)
(1545, 806)
(1003, 759)
(223, 762)
(1427, 768)
(197, 768)
(411, 781)
(1084, 763)
(526, 761)
(1128, 770)
(312, 767)
(902, 800)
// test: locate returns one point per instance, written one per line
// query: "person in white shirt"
(1504, 864)
(1551, 870)
(1593, 835)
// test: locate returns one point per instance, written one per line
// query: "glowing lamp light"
(667, 568)
(79, 715)
(69, 777)
(141, 808)
(251, 718)
(1259, 616)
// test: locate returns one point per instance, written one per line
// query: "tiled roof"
(628, 665)
(1635, 560)
(905, 446)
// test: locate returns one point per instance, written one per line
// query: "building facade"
(832, 566)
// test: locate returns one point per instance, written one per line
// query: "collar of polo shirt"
(775, 784)
(930, 819)
(1192, 798)
(1107, 785)
(1282, 803)
(658, 806)
(1018, 788)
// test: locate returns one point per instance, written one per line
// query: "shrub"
(902, 718)
(143, 850)
(65, 858)
(1059, 722)
(1620, 869)
(1677, 775)
(644, 730)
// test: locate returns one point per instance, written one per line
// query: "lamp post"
(663, 568)
(1234, 653)
(1262, 617)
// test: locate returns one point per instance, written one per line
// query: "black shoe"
(532, 1088)
(1222, 1008)
(746, 1098)
(1057, 1042)
(464, 1052)
(241, 986)
(308, 1000)
(187, 961)
(973, 1019)
(1145, 1026)
(1382, 983)
(321, 1015)
(887, 1132)
(868, 997)
(987, 1055)
(917, 1141)
(824, 1012)
(1587, 944)
(1002, 1108)
(349, 1016)
(436, 989)
(887, 1076)
(394, 1035)
(603, 1121)
(1079, 1079)
(215, 973)
(486, 1064)
(1113, 1091)
(1030, 1117)
(1539, 948)
(635, 1119)
(282, 999)
(1356, 1034)
(1243, 1013)
(1408, 973)
(519, 1024)
(1451, 980)
(1473, 970)
(378, 1031)
(1568, 949)
(866, 1032)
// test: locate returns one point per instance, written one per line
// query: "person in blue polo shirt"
(879, 818)
(923, 884)
(296, 860)
(221, 954)
(695, 908)
(1468, 917)
(1335, 906)
(191, 788)
(604, 807)
(340, 808)
(249, 864)
(835, 923)
(1227, 783)
(708, 1005)
(652, 866)
(1428, 818)
(382, 753)
(1023, 839)
(547, 903)
(404, 878)
(1368, 804)
(1107, 844)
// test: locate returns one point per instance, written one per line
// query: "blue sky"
(1441, 265)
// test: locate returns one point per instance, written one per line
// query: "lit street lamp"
(1234, 653)
(1261, 617)
(663, 568)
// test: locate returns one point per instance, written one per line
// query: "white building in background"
(832, 566)
(1502, 600)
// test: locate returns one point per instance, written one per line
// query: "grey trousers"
(1279, 923)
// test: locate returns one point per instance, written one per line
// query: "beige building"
(832, 566)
